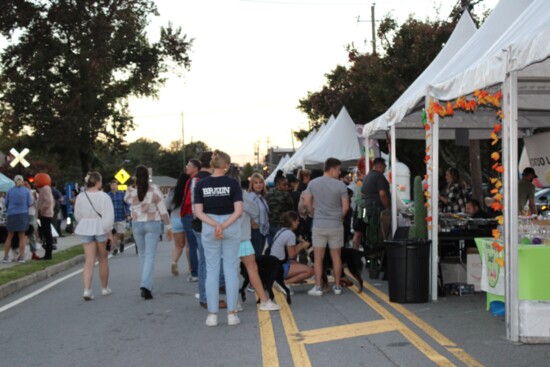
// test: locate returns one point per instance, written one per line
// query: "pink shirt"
(45, 202)
(152, 208)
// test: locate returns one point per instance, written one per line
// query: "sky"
(252, 61)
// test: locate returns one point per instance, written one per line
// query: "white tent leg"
(510, 176)
(393, 153)
(433, 171)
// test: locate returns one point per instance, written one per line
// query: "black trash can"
(408, 270)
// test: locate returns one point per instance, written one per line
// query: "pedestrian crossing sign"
(122, 176)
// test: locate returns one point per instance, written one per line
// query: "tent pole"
(393, 181)
(511, 210)
(433, 170)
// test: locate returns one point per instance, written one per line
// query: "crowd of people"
(220, 222)
(30, 213)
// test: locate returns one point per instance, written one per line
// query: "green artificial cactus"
(419, 230)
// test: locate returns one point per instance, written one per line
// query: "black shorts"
(359, 225)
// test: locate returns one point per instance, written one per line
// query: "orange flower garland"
(481, 98)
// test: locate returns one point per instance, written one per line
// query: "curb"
(19, 284)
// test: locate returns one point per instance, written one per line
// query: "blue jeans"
(258, 241)
(202, 270)
(192, 242)
(146, 235)
(218, 250)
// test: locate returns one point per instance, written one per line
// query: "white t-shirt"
(284, 237)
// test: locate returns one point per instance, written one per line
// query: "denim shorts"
(99, 238)
(177, 225)
(286, 268)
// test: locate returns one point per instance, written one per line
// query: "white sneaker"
(212, 319)
(240, 307)
(106, 291)
(88, 295)
(269, 306)
(315, 291)
(233, 319)
(337, 290)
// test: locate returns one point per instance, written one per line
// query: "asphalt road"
(49, 324)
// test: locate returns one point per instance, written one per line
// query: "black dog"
(351, 259)
(270, 270)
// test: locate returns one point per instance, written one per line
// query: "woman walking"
(95, 216)
(219, 204)
(18, 201)
(173, 202)
(148, 210)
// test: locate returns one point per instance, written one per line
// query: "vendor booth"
(497, 86)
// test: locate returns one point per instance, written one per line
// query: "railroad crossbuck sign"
(122, 176)
(19, 157)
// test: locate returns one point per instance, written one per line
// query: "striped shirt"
(152, 207)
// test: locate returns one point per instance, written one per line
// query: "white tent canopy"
(282, 162)
(297, 159)
(511, 50)
(407, 102)
(518, 61)
(339, 141)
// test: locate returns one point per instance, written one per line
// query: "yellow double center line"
(297, 340)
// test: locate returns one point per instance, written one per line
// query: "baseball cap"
(18, 178)
(529, 171)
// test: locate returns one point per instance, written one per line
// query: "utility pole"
(373, 24)
(257, 155)
(373, 29)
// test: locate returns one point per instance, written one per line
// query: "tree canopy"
(369, 83)
(70, 67)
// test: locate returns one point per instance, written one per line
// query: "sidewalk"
(63, 243)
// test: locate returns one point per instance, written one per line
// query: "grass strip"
(21, 270)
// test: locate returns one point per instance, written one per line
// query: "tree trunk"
(85, 163)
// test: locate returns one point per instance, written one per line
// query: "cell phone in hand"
(108, 245)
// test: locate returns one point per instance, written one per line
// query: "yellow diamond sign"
(122, 176)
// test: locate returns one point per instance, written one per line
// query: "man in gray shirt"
(326, 200)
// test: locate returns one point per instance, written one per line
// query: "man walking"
(326, 199)
(192, 168)
(122, 213)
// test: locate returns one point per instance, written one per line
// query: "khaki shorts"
(334, 237)
(120, 227)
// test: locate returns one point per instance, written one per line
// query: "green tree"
(70, 66)
(163, 161)
(370, 83)
(247, 171)
(144, 152)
